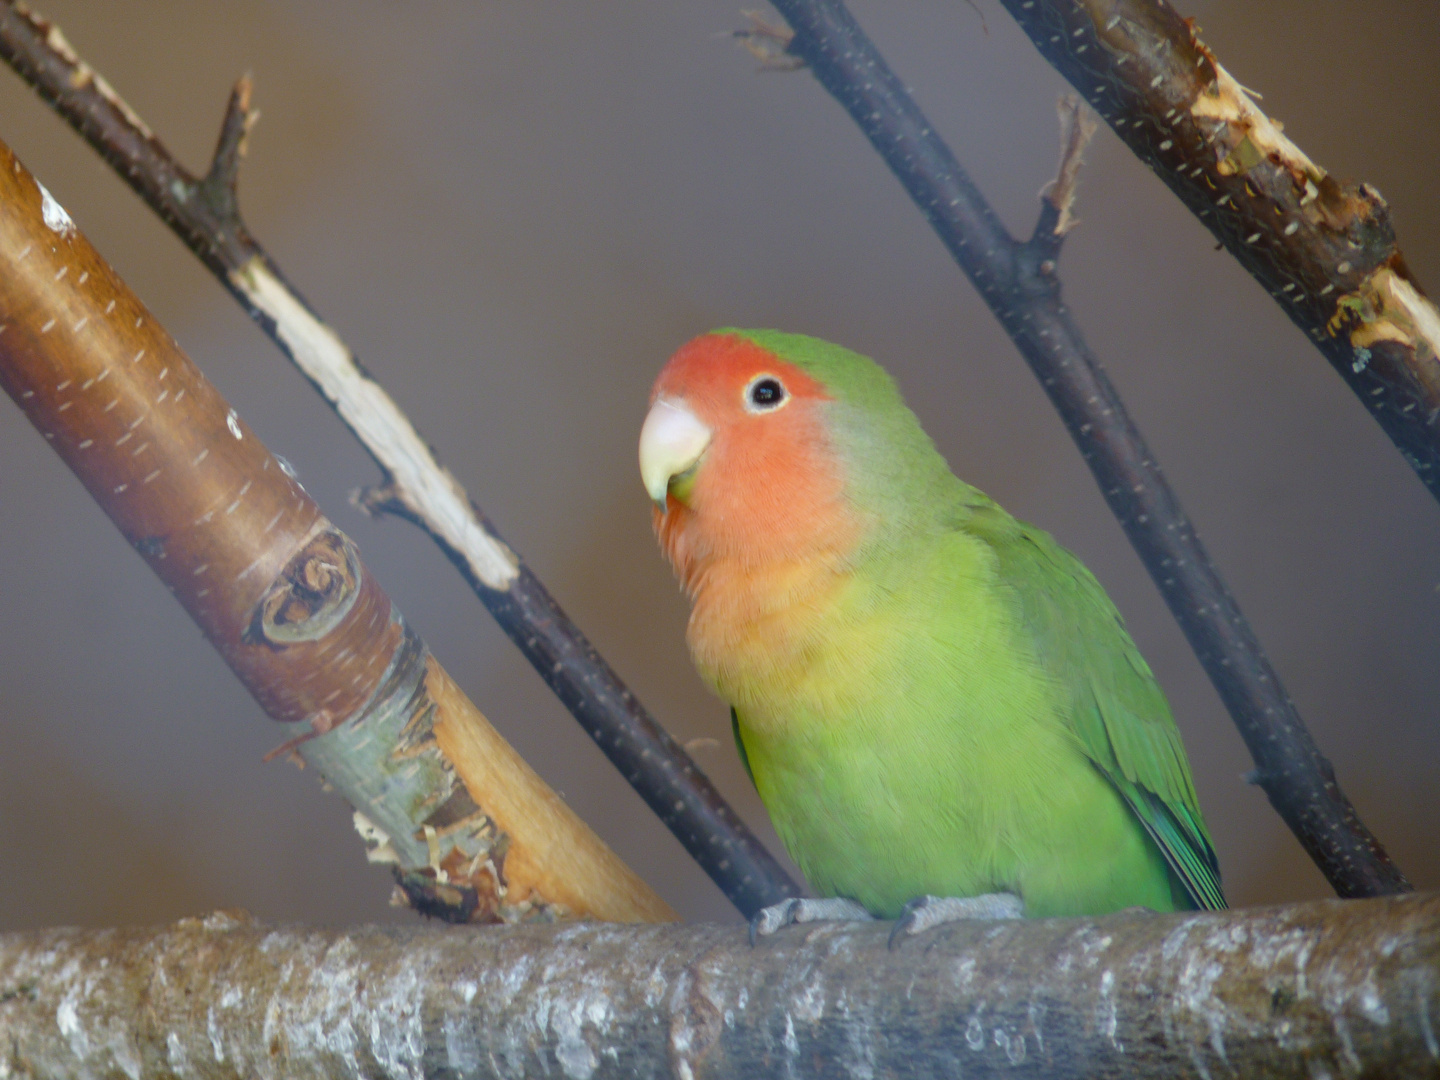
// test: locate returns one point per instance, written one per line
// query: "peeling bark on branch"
(1019, 283)
(1324, 250)
(281, 593)
(1333, 988)
(204, 213)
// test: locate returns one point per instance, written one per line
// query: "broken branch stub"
(1078, 124)
(281, 593)
(1323, 249)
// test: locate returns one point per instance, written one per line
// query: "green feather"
(1118, 711)
(970, 714)
(740, 744)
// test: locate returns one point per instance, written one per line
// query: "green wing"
(1119, 714)
(740, 744)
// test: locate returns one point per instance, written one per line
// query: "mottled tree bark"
(1020, 282)
(1331, 988)
(204, 213)
(1323, 248)
(281, 593)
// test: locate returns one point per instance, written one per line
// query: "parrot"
(939, 706)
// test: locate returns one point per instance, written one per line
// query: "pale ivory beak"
(671, 442)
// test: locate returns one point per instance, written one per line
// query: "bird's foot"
(925, 912)
(803, 910)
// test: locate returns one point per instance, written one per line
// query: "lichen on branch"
(1329, 988)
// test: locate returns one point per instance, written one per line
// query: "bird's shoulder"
(1118, 710)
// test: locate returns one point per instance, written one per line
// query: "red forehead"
(711, 370)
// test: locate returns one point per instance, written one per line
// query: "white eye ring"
(758, 385)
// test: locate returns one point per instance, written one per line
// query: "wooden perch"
(1019, 282)
(281, 593)
(204, 213)
(1324, 989)
(1325, 250)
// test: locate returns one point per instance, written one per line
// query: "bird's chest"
(897, 752)
(765, 633)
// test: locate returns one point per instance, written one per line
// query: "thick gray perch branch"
(1330, 988)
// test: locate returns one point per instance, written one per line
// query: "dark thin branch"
(1325, 250)
(1329, 988)
(1013, 279)
(203, 213)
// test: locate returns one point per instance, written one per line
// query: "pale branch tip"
(378, 499)
(652, 762)
(767, 43)
(1021, 288)
(1078, 124)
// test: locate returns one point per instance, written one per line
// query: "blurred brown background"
(514, 212)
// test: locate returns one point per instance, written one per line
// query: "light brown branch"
(280, 592)
(767, 43)
(414, 485)
(1333, 988)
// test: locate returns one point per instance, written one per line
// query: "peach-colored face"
(768, 485)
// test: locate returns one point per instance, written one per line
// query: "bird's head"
(738, 455)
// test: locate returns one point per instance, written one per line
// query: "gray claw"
(769, 919)
(802, 910)
(925, 912)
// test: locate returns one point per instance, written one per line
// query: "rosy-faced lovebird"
(932, 698)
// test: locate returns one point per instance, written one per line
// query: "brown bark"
(1330, 988)
(1323, 248)
(279, 591)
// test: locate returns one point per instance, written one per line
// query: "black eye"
(766, 393)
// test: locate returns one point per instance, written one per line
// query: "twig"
(219, 188)
(1018, 281)
(1077, 127)
(415, 485)
(1324, 250)
(1328, 988)
(281, 593)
